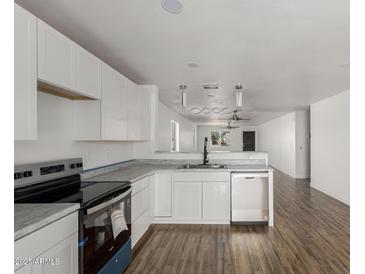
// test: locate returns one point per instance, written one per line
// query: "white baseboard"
(330, 194)
(290, 177)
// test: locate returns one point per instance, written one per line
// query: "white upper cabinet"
(56, 57)
(88, 73)
(25, 74)
(134, 110)
(145, 110)
(64, 65)
(113, 105)
(122, 114)
(48, 61)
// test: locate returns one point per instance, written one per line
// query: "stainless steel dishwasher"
(249, 197)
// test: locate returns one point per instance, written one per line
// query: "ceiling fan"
(229, 126)
(235, 117)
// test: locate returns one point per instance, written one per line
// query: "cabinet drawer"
(140, 202)
(139, 185)
(202, 176)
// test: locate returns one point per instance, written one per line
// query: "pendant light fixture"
(239, 95)
(182, 87)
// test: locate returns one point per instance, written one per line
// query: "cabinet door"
(63, 256)
(145, 110)
(216, 201)
(162, 195)
(134, 115)
(139, 227)
(113, 105)
(25, 74)
(88, 73)
(56, 62)
(187, 201)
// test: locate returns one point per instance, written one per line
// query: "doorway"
(249, 138)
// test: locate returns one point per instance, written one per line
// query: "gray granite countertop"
(131, 173)
(135, 170)
(31, 217)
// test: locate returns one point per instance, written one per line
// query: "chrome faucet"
(205, 160)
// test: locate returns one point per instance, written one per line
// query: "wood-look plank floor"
(310, 235)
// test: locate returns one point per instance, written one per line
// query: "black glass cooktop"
(91, 193)
(70, 190)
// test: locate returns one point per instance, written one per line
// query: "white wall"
(55, 138)
(277, 137)
(236, 137)
(330, 146)
(187, 130)
(286, 139)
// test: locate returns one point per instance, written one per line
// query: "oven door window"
(105, 232)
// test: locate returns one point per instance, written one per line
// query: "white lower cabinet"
(162, 195)
(187, 201)
(216, 201)
(140, 209)
(56, 245)
(201, 197)
(140, 226)
(66, 255)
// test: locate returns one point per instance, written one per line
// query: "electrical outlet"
(107, 154)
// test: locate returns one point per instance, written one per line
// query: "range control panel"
(39, 172)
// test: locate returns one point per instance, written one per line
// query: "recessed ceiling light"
(193, 65)
(172, 6)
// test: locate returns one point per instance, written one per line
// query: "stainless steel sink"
(197, 166)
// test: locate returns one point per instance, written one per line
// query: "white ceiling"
(286, 53)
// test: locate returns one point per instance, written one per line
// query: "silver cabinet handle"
(109, 202)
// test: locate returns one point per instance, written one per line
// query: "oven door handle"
(108, 203)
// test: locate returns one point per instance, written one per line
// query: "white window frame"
(175, 124)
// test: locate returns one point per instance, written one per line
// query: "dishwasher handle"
(248, 176)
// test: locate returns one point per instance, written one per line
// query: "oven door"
(106, 227)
